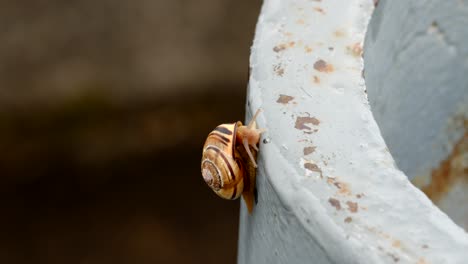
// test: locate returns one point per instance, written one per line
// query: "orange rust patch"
(301, 122)
(339, 33)
(352, 206)
(284, 99)
(316, 79)
(278, 70)
(313, 167)
(451, 171)
(335, 203)
(355, 49)
(323, 66)
(300, 21)
(292, 44)
(307, 49)
(396, 243)
(343, 189)
(421, 260)
(308, 150)
(348, 220)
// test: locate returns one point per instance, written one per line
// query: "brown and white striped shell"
(228, 161)
(222, 166)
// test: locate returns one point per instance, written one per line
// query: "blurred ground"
(104, 108)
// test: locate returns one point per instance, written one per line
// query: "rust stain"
(307, 49)
(279, 48)
(278, 70)
(355, 49)
(320, 10)
(335, 203)
(359, 195)
(352, 206)
(344, 189)
(316, 79)
(308, 150)
(396, 243)
(451, 171)
(339, 33)
(421, 260)
(313, 167)
(300, 21)
(284, 99)
(292, 44)
(302, 121)
(348, 220)
(322, 66)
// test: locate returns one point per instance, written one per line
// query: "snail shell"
(222, 166)
(228, 162)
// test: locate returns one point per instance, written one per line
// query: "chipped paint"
(303, 121)
(309, 150)
(326, 218)
(322, 66)
(313, 167)
(284, 99)
(335, 203)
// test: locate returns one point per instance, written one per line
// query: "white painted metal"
(328, 188)
(416, 76)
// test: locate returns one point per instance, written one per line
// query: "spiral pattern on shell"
(222, 166)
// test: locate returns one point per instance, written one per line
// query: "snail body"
(228, 162)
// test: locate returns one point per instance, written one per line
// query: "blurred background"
(104, 109)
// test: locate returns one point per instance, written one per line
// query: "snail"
(228, 162)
